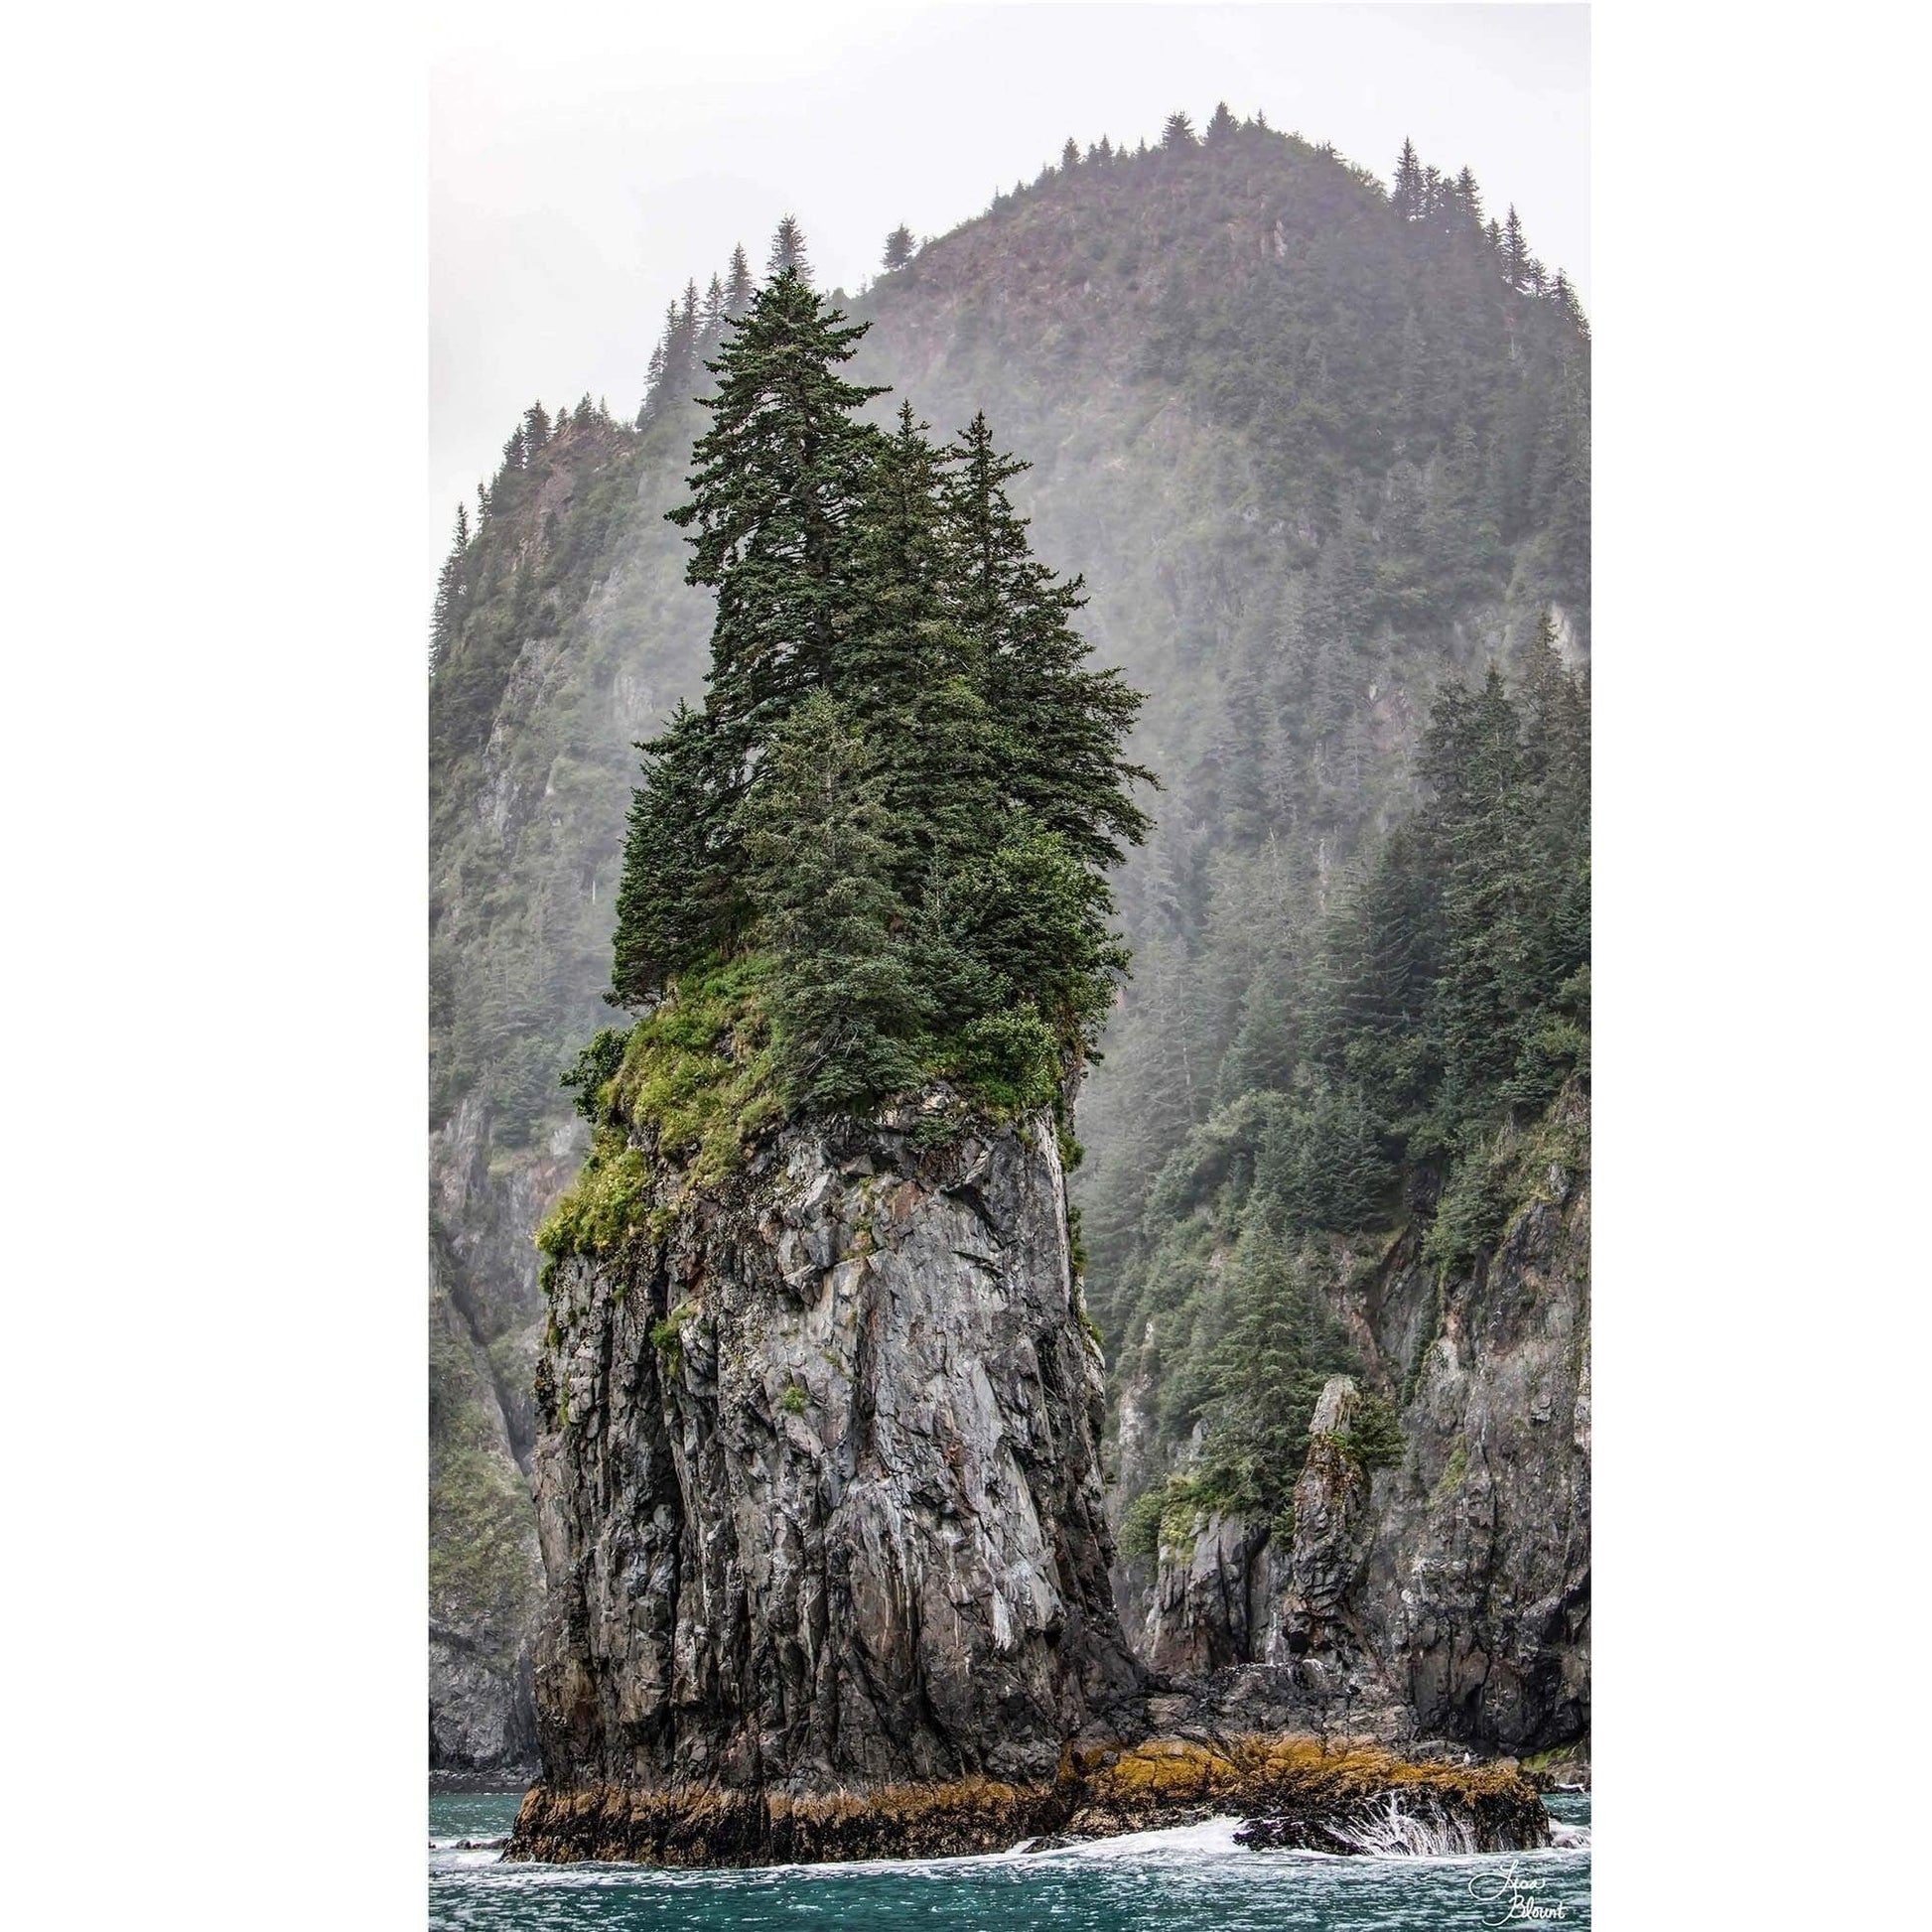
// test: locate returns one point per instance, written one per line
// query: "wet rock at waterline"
(1295, 1792)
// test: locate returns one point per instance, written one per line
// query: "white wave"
(1211, 1838)
(1568, 1838)
(1393, 1833)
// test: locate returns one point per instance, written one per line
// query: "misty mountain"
(1320, 452)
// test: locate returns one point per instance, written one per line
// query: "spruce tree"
(737, 283)
(675, 894)
(1221, 124)
(1475, 759)
(1069, 155)
(1516, 253)
(898, 247)
(1064, 724)
(779, 474)
(1406, 195)
(787, 254)
(848, 1011)
(1469, 197)
(446, 611)
(1177, 134)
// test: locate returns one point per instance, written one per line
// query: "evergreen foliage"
(787, 254)
(904, 785)
(898, 247)
(1389, 1060)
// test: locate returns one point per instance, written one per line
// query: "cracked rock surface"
(817, 1480)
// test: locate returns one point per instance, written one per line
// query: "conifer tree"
(1069, 155)
(780, 472)
(446, 611)
(713, 318)
(819, 859)
(737, 283)
(788, 251)
(1469, 196)
(1221, 124)
(1516, 253)
(675, 895)
(1106, 150)
(1065, 723)
(1177, 134)
(905, 780)
(1475, 759)
(898, 247)
(1406, 195)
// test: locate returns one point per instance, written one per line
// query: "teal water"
(1190, 1879)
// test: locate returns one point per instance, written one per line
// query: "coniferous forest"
(1197, 720)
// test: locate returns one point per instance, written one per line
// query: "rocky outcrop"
(1294, 1791)
(817, 1484)
(485, 1323)
(1449, 1593)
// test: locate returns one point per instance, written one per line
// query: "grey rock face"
(1447, 1596)
(817, 1482)
(486, 1321)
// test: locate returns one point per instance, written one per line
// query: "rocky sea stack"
(817, 1482)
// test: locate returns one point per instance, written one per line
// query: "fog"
(580, 175)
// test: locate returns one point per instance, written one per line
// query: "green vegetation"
(1163, 1521)
(1408, 1057)
(1454, 1470)
(1374, 1440)
(904, 788)
(667, 1336)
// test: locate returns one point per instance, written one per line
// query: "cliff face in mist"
(1316, 456)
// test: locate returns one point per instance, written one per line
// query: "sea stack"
(820, 1505)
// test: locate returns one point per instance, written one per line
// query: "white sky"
(584, 164)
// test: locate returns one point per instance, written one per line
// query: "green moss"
(480, 1535)
(1140, 1526)
(793, 1400)
(667, 1336)
(1092, 1327)
(1162, 1522)
(698, 1073)
(603, 1210)
(1454, 1470)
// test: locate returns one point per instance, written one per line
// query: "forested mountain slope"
(1320, 452)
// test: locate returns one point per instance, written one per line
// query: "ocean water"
(1193, 1878)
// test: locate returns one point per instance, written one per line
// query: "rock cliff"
(1447, 1593)
(486, 1320)
(817, 1482)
